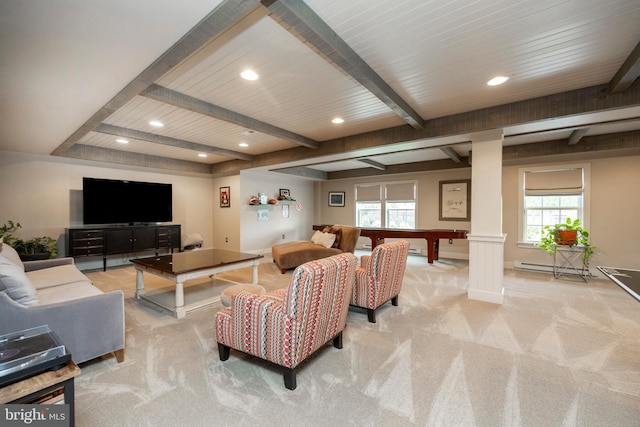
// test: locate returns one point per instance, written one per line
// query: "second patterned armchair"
(287, 325)
(379, 277)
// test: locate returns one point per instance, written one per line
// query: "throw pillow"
(11, 255)
(327, 240)
(16, 283)
(338, 233)
(323, 239)
(316, 237)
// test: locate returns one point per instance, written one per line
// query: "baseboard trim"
(492, 297)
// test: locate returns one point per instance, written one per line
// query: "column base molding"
(486, 268)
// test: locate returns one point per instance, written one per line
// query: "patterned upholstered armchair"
(379, 277)
(287, 325)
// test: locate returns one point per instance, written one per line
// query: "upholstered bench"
(226, 297)
(292, 254)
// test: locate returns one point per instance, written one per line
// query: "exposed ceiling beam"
(596, 146)
(432, 165)
(303, 172)
(451, 153)
(119, 157)
(180, 100)
(298, 18)
(628, 72)
(213, 25)
(373, 164)
(567, 104)
(172, 142)
(610, 145)
(574, 128)
(577, 135)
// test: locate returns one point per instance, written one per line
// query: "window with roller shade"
(389, 205)
(550, 197)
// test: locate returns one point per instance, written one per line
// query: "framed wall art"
(336, 198)
(455, 200)
(285, 193)
(225, 197)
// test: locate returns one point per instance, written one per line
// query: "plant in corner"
(37, 248)
(569, 233)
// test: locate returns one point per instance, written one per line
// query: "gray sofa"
(89, 322)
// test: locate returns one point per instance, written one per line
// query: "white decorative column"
(486, 241)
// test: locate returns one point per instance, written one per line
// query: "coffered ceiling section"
(386, 68)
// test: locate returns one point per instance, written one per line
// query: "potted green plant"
(33, 249)
(569, 233)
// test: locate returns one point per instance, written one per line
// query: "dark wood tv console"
(115, 240)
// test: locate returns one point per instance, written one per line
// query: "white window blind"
(402, 191)
(368, 193)
(561, 181)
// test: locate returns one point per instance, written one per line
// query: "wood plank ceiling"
(408, 78)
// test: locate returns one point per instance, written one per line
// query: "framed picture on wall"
(336, 198)
(285, 193)
(225, 197)
(455, 200)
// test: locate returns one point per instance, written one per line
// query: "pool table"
(377, 236)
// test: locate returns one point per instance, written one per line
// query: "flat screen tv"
(108, 201)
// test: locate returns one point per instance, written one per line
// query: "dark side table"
(33, 389)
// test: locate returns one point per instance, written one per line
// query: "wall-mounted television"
(109, 201)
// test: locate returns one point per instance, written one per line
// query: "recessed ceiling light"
(202, 155)
(122, 141)
(243, 144)
(497, 80)
(156, 123)
(248, 132)
(249, 75)
(337, 120)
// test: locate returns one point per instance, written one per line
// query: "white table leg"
(139, 284)
(179, 310)
(254, 276)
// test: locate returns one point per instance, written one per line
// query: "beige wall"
(44, 194)
(237, 227)
(226, 221)
(614, 204)
(615, 208)
(426, 210)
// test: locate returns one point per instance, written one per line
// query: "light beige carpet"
(556, 353)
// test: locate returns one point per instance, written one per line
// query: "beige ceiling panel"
(427, 51)
(193, 127)
(101, 140)
(437, 56)
(297, 89)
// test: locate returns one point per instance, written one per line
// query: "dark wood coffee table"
(183, 266)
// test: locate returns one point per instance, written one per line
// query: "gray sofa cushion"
(69, 292)
(56, 276)
(18, 286)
